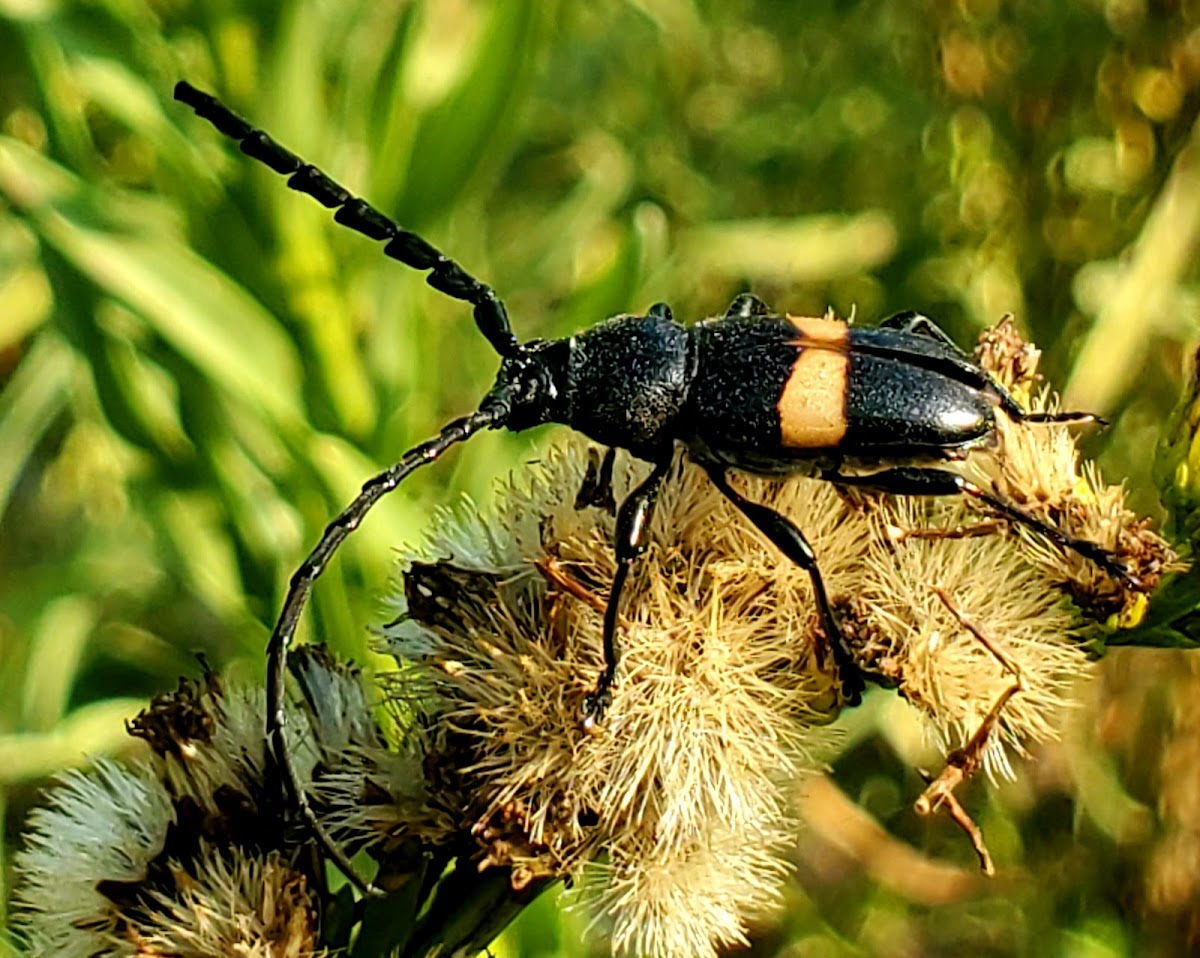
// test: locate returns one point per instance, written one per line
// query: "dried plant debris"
(1040, 469)
(673, 815)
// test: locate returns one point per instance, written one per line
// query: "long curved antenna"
(493, 413)
(446, 276)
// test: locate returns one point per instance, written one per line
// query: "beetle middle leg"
(928, 481)
(633, 520)
(787, 537)
(596, 488)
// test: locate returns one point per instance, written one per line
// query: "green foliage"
(197, 368)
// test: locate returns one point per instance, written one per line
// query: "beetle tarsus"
(596, 706)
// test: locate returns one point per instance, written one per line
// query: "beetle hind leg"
(910, 321)
(926, 481)
(1063, 418)
(918, 324)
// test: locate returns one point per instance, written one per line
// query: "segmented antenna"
(445, 275)
(492, 414)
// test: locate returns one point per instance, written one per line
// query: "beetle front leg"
(789, 540)
(633, 520)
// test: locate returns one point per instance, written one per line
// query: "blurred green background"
(197, 368)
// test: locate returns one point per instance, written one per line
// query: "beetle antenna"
(494, 413)
(445, 275)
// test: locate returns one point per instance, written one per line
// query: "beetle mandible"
(749, 391)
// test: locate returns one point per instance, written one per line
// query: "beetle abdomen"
(896, 407)
(743, 368)
(773, 391)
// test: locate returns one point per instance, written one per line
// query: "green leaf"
(459, 135)
(222, 330)
(28, 406)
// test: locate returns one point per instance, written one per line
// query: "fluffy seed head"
(916, 603)
(719, 702)
(105, 825)
(177, 855)
(228, 903)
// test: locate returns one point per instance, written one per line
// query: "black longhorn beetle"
(750, 391)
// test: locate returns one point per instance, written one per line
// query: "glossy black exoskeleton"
(750, 391)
